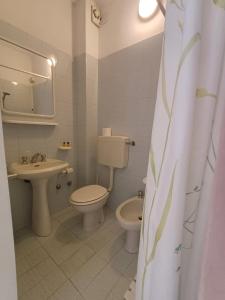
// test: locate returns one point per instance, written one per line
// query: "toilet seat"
(88, 195)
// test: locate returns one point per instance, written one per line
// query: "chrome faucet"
(38, 157)
(24, 160)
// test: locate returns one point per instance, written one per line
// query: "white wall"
(7, 260)
(47, 20)
(122, 26)
(85, 33)
(92, 33)
(78, 27)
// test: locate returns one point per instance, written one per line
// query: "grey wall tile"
(86, 99)
(127, 92)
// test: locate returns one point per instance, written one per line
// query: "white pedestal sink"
(39, 173)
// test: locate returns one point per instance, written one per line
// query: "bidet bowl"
(129, 215)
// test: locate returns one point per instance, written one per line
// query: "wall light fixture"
(52, 61)
(148, 7)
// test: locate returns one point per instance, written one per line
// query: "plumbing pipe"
(111, 179)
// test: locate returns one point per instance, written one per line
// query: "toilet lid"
(88, 193)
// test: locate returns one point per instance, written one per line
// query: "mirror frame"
(14, 113)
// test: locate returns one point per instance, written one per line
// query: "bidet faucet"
(38, 157)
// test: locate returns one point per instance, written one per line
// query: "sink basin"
(38, 170)
(39, 174)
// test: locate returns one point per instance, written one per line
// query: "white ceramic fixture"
(39, 174)
(129, 215)
(89, 200)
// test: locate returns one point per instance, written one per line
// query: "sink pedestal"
(41, 222)
(39, 173)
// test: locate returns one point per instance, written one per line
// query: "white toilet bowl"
(129, 215)
(90, 200)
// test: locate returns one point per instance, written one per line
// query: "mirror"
(26, 81)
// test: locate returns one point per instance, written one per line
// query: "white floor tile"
(64, 212)
(131, 271)
(80, 233)
(59, 255)
(118, 291)
(122, 260)
(114, 227)
(100, 239)
(28, 280)
(56, 229)
(87, 273)
(66, 292)
(22, 234)
(62, 245)
(72, 265)
(22, 265)
(46, 274)
(68, 217)
(36, 293)
(103, 283)
(47, 267)
(52, 282)
(96, 263)
(25, 263)
(112, 248)
(24, 245)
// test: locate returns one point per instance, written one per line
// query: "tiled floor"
(71, 264)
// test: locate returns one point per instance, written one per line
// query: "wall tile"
(127, 92)
(22, 138)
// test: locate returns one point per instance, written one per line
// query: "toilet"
(129, 215)
(112, 152)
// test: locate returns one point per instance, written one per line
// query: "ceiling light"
(147, 8)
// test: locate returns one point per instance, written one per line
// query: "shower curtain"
(182, 245)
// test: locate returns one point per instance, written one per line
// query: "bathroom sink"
(39, 174)
(38, 170)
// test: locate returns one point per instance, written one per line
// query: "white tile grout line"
(96, 253)
(122, 275)
(130, 293)
(34, 266)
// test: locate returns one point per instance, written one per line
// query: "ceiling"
(100, 3)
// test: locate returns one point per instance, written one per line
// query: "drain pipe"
(111, 179)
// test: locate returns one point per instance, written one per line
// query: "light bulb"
(14, 82)
(147, 8)
(52, 61)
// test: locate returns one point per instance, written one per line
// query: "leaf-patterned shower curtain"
(185, 139)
